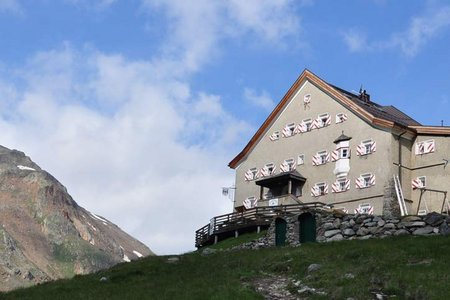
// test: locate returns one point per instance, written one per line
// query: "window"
(341, 117)
(287, 165)
(422, 180)
(366, 147)
(251, 174)
(365, 181)
(275, 136)
(425, 147)
(344, 153)
(419, 182)
(268, 170)
(307, 124)
(323, 156)
(250, 202)
(301, 159)
(319, 189)
(365, 208)
(341, 185)
(289, 130)
(323, 120)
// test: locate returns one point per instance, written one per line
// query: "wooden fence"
(253, 217)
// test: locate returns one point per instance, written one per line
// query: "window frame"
(366, 182)
(321, 186)
(340, 118)
(367, 146)
(341, 152)
(323, 119)
(308, 124)
(323, 156)
(291, 165)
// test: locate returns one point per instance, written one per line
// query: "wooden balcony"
(228, 225)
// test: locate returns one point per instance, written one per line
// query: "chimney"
(364, 96)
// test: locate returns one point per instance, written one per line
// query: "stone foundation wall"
(336, 226)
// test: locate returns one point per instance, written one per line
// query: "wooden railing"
(255, 216)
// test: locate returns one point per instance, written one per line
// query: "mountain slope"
(45, 235)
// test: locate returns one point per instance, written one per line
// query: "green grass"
(245, 238)
(408, 267)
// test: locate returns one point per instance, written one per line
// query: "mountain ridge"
(45, 234)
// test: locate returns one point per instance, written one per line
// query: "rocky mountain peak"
(45, 234)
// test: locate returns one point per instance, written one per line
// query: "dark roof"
(342, 138)
(388, 112)
(280, 178)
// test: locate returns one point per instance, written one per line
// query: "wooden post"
(290, 187)
(216, 239)
(261, 192)
(258, 229)
(443, 203)
(420, 200)
(236, 233)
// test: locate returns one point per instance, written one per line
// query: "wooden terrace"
(251, 220)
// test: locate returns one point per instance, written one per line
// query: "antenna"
(442, 123)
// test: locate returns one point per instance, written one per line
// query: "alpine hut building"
(324, 144)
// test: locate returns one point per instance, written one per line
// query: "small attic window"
(307, 98)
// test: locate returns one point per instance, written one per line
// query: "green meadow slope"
(405, 267)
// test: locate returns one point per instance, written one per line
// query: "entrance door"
(307, 228)
(280, 232)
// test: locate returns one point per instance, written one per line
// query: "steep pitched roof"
(371, 112)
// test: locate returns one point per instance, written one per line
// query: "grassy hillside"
(407, 267)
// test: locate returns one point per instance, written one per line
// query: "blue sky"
(138, 106)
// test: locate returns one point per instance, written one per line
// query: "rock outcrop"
(45, 234)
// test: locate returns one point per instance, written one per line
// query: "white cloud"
(134, 164)
(11, 6)
(262, 99)
(421, 30)
(198, 26)
(130, 139)
(355, 40)
(272, 20)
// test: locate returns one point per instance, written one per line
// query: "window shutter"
(372, 180)
(315, 124)
(284, 167)
(373, 147)
(328, 121)
(316, 160)
(315, 192)
(360, 150)
(429, 147)
(248, 175)
(273, 137)
(328, 157)
(335, 155)
(286, 132)
(335, 187)
(416, 184)
(347, 184)
(359, 182)
(247, 203)
(325, 189)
